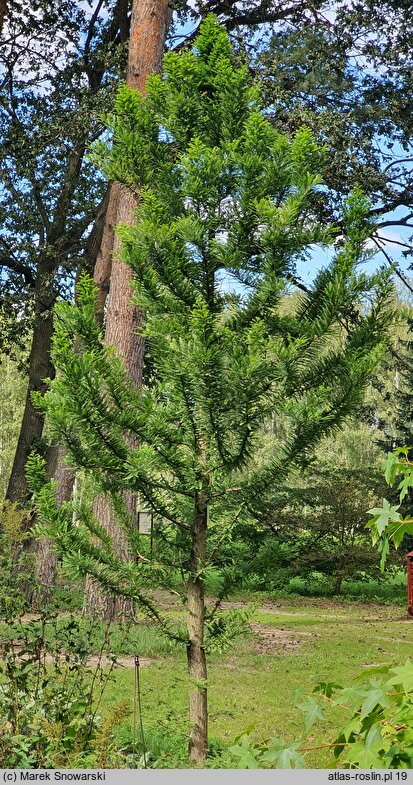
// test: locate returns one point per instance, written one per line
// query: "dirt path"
(121, 661)
(267, 639)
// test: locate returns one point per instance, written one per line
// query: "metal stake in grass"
(137, 706)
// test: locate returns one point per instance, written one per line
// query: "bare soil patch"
(165, 599)
(123, 661)
(269, 640)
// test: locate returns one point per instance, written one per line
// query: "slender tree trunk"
(149, 25)
(40, 368)
(103, 264)
(95, 238)
(39, 364)
(197, 670)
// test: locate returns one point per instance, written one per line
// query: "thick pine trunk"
(149, 25)
(98, 602)
(40, 368)
(46, 558)
(124, 319)
(197, 670)
(122, 323)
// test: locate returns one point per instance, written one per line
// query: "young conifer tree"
(221, 193)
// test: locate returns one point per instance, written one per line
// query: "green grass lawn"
(293, 643)
(255, 682)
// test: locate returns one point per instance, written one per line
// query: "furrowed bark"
(150, 20)
(122, 324)
(98, 602)
(46, 558)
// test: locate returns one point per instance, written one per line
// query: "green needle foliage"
(222, 196)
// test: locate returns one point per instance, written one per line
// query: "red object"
(409, 559)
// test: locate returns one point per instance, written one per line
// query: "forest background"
(342, 71)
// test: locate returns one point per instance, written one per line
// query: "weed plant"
(50, 694)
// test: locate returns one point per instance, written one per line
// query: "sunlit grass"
(253, 684)
(248, 688)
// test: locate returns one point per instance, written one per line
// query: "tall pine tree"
(222, 194)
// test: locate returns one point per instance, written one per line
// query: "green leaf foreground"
(313, 711)
(377, 734)
(387, 525)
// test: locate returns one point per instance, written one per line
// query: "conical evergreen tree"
(221, 194)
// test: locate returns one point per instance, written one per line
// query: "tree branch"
(396, 163)
(392, 241)
(404, 200)
(18, 267)
(40, 206)
(91, 27)
(399, 222)
(391, 263)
